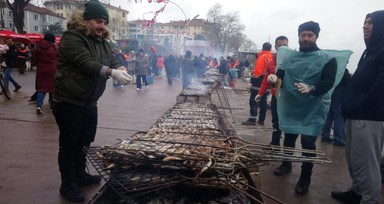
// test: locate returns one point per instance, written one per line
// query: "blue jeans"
(40, 99)
(138, 81)
(8, 77)
(334, 117)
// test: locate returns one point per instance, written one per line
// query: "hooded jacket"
(45, 58)
(364, 95)
(83, 60)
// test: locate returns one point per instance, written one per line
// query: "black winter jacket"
(364, 95)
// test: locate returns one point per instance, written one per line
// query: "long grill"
(188, 147)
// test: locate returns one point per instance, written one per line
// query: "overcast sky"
(340, 21)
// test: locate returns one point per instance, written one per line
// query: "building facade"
(37, 19)
(118, 23)
(179, 35)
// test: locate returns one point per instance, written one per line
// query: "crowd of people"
(142, 65)
(311, 90)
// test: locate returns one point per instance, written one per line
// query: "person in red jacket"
(257, 77)
(271, 69)
(160, 65)
(46, 60)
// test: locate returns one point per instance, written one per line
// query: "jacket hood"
(44, 45)
(376, 41)
(78, 23)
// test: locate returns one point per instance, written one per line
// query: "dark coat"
(79, 80)
(142, 65)
(11, 56)
(45, 58)
(364, 95)
(223, 67)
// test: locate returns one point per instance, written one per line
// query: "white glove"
(304, 88)
(257, 98)
(272, 78)
(121, 76)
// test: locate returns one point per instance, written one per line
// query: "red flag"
(159, 1)
(149, 1)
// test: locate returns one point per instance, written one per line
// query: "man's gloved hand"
(257, 98)
(272, 78)
(121, 76)
(304, 88)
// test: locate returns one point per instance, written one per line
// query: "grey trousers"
(364, 143)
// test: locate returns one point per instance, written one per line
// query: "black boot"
(276, 135)
(302, 185)
(88, 179)
(283, 169)
(82, 177)
(72, 192)
(249, 122)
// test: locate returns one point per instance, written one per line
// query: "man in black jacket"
(85, 63)
(363, 109)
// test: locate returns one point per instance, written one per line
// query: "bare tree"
(236, 41)
(119, 27)
(55, 29)
(223, 27)
(17, 8)
(249, 46)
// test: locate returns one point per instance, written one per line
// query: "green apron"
(299, 113)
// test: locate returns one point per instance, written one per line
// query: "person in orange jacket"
(257, 77)
(271, 69)
(213, 63)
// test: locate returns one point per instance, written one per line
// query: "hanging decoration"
(150, 22)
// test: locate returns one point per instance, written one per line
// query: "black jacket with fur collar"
(78, 79)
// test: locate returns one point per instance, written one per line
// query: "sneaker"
(283, 169)
(39, 111)
(147, 86)
(350, 197)
(88, 180)
(72, 192)
(326, 140)
(249, 122)
(138, 89)
(17, 88)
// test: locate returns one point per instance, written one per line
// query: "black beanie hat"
(311, 26)
(94, 9)
(188, 53)
(49, 37)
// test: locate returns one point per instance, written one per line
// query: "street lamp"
(144, 29)
(184, 31)
(147, 13)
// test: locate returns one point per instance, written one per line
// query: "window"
(123, 15)
(44, 19)
(36, 28)
(10, 13)
(11, 25)
(36, 17)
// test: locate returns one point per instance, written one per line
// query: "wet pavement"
(29, 143)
